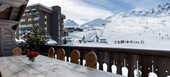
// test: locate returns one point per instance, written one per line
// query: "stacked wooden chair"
(17, 51)
(75, 55)
(91, 60)
(51, 52)
(60, 54)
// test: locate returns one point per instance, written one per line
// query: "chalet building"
(10, 14)
(49, 19)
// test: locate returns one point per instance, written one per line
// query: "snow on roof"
(40, 5)
(36, 4)
(51, 41)
(19, 40)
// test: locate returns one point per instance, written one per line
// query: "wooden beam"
(22, 9)
(20, 1)
(11, 13)
(8, 22)
(14, 3)
(3, 7)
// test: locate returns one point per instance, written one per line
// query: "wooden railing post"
(109, 61)
(132, 64)
(119, 63)
(81, 57)
(100, 57)
(144, 63)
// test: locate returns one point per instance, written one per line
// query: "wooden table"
(17, 66)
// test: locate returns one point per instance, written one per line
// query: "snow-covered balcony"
(130, 62)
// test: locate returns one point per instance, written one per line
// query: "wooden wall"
(10, 15)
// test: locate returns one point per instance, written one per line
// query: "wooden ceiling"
(12, 9)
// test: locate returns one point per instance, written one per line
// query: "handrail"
(149, 52)
(147, 60)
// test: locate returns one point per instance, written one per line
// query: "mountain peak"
(160, 10)
(167, 4)
(159, 6)
(70, 23)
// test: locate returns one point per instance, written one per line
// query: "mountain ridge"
(159, 11)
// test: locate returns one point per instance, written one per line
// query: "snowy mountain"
(138, 29)
(149, 27)
(95, 23)
(160, 10)
(70, 23)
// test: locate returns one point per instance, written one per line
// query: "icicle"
(152, 68)
(137, 65)
(124, 62)
(114, 63)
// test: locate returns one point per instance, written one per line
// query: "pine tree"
(35, 38)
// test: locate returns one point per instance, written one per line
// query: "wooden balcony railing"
(148, 61)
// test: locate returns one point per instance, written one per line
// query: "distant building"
(103, 41)
(70, 29)
(49, 19)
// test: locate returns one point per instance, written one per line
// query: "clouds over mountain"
(83, 11)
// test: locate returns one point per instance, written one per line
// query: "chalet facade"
(10, 15)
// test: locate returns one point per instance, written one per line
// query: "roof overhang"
(12, 9)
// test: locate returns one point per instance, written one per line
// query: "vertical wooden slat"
(81, 57)
(144, 63)
(11, 13)
(109, 62)
(119, 64)
(100, 56)
(131, 65)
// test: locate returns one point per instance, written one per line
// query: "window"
(23, 14)
(45, 28)
(29, 25)
(22, 20)
(28, 13)
(36, 24)
(36, 12)
(45, 17)
(36, 18)
(22, 26)
(29, 19)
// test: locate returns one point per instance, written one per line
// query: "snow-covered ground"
(144, 32)
(50, 41)
(136, 29)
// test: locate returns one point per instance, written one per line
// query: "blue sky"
(116, 6)
(82, 11)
